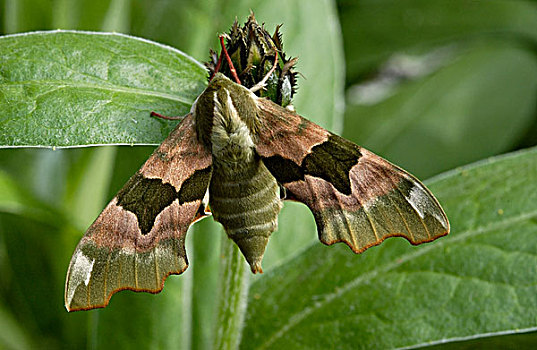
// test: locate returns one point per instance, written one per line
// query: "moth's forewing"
(138, 239)
(356, 196)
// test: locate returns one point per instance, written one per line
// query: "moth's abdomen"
(246, 202)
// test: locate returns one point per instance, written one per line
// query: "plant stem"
(233, 292)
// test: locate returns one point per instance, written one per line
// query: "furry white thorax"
(231, 139)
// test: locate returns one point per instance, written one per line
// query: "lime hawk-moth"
(241, 155)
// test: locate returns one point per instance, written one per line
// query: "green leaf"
(477, 106)
(479, 281)
(74, 88)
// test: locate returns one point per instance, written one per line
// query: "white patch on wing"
(369, 204)
(423, 204)
(81, 273)
(417, 200)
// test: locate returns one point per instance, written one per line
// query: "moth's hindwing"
(356, 196)
(139, 238)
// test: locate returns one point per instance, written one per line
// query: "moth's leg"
(263, 82)
(158, 115)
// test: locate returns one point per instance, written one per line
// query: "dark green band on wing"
(283, 169)
(331, 160)
(194, 187)
(146, 198)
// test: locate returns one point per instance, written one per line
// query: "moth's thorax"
(231, 140)
(226, 121)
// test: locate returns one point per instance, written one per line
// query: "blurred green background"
(429, 85)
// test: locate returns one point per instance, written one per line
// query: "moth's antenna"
(231, 67)
(228, 59)
(262, 83)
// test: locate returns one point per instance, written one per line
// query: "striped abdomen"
(246, 202)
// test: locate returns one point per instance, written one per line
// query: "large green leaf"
(479, 281)
(74, 88)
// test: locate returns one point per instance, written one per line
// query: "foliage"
(431, 85)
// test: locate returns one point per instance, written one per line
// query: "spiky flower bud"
(253, 51)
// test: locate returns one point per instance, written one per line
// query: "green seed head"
(253, 51)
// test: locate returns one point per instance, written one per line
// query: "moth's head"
(238, 93)
(220, 81)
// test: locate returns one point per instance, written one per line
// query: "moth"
(239, 156)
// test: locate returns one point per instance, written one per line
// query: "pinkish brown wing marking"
(286, 134)
(138, 239)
